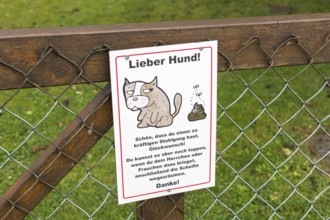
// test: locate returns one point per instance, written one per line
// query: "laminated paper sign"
(164, 109)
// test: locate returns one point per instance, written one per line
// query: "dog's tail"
(177, 104)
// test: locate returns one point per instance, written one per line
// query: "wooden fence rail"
(22, 65)
(23, 48)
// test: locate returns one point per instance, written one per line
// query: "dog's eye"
(130, 92)
(147, 90)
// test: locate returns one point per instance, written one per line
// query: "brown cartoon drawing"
(197, 113)
(152, 102)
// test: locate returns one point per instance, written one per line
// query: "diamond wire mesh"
(273, 152)
(272, 155)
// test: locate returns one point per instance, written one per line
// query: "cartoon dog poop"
(197, 113)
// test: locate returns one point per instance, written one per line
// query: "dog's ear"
(154, 82)
(126, 81)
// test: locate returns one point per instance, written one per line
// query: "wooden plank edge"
(163, 26)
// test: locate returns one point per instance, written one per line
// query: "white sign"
(164, 109)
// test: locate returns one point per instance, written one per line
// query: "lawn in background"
(57, 13)
(33, 104)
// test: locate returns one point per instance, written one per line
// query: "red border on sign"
(119, 121)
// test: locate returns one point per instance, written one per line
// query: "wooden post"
(167, 207)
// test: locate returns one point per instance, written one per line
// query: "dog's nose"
(135, 99)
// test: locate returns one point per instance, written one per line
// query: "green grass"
(44, 13)
(275, 160)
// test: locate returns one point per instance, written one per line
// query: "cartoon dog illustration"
(153, 103)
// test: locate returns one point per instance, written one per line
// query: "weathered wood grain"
(23, 49)
(167, 207)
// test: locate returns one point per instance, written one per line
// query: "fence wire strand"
(279, 170)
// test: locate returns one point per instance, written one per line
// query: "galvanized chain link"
(276, 173)
(243, 155)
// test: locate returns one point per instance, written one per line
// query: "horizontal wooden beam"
(58, 159)
(60, 56)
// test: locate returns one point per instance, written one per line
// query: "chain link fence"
(273, 141)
